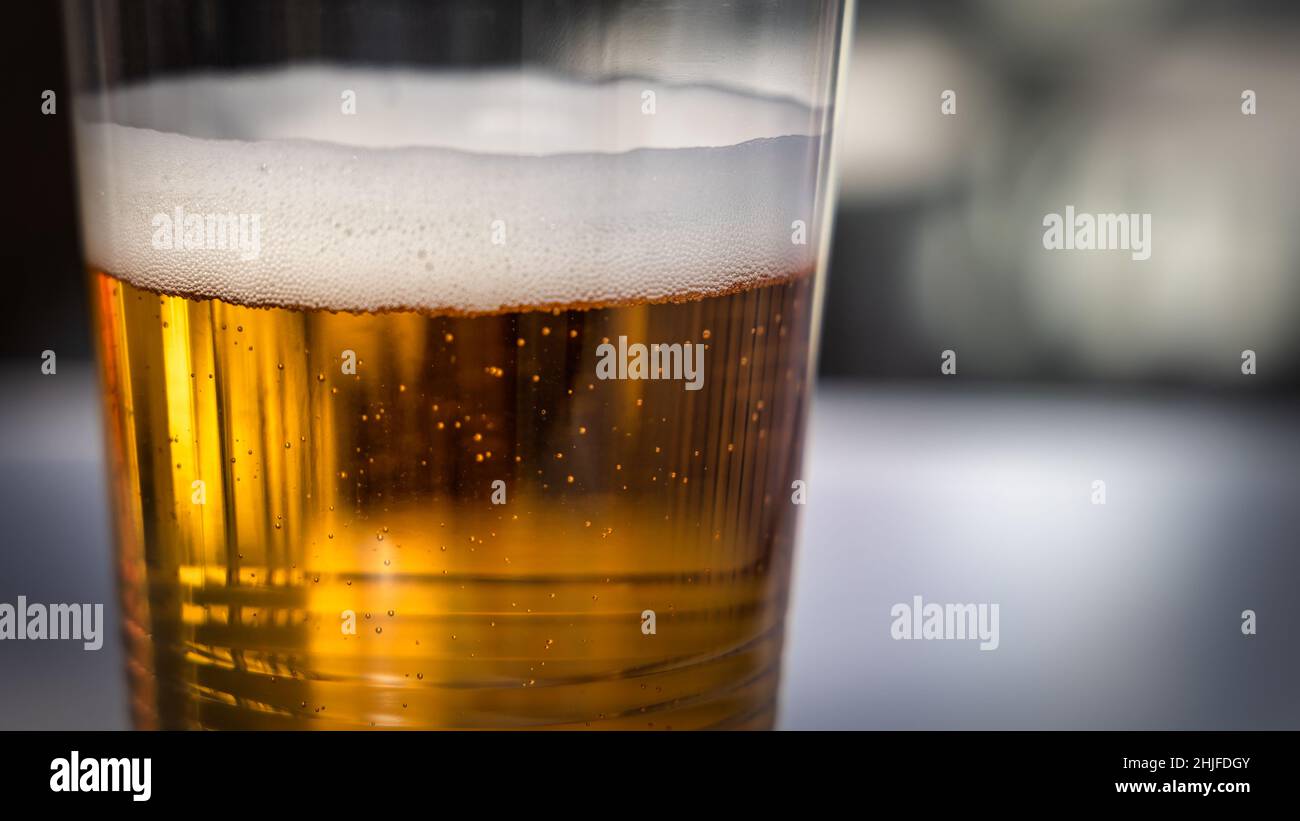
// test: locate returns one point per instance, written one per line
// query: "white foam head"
(468, 192)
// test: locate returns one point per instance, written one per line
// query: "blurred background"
(973, 487)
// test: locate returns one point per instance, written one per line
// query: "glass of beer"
(455, 357)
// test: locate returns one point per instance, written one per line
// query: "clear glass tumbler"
(455, 356)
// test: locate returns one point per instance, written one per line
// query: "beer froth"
(460, 193)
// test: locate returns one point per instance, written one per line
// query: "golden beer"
(423, 519)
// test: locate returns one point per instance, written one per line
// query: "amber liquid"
(264, 493)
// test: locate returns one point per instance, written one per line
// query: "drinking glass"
(455, 357)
